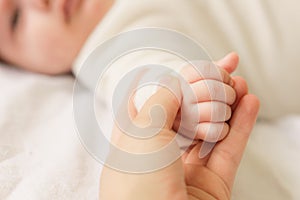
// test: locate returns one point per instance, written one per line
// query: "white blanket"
(41, 157)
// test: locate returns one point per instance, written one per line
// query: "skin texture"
(31, 42)
(190, 177)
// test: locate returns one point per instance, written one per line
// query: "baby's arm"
(205, 113)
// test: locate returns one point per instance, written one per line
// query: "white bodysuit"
(264, 33)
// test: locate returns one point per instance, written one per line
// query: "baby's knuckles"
(212, 90)
(213, 112)
(212, 132)
(201, 70)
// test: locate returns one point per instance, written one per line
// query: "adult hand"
(190, 177)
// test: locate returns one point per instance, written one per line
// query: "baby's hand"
(206, 105)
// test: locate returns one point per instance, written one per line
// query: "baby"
(47, 36)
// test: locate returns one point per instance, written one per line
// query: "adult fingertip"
(245, 115)
(168, 98)
(240, 84)
(241, 89)
(254, 104)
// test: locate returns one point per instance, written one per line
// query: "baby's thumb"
(229, 62)
(162, 107)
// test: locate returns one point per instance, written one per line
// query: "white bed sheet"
(41, 156)
(270, 167)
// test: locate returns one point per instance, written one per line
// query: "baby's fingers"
(205, 70)
(210, 90)
(213, 111)
(212, 132)
(229, 62)
(209, 132)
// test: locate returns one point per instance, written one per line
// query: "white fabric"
(41, 156)
(270, 167)
(264, 33)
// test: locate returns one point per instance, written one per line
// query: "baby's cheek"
(47, 55)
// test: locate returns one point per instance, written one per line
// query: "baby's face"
(46, 35)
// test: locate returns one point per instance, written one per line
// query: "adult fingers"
(162, 107)
(226, 155)
(241, 89)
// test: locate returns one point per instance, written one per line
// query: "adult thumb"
(162, 107)
(229, 152)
